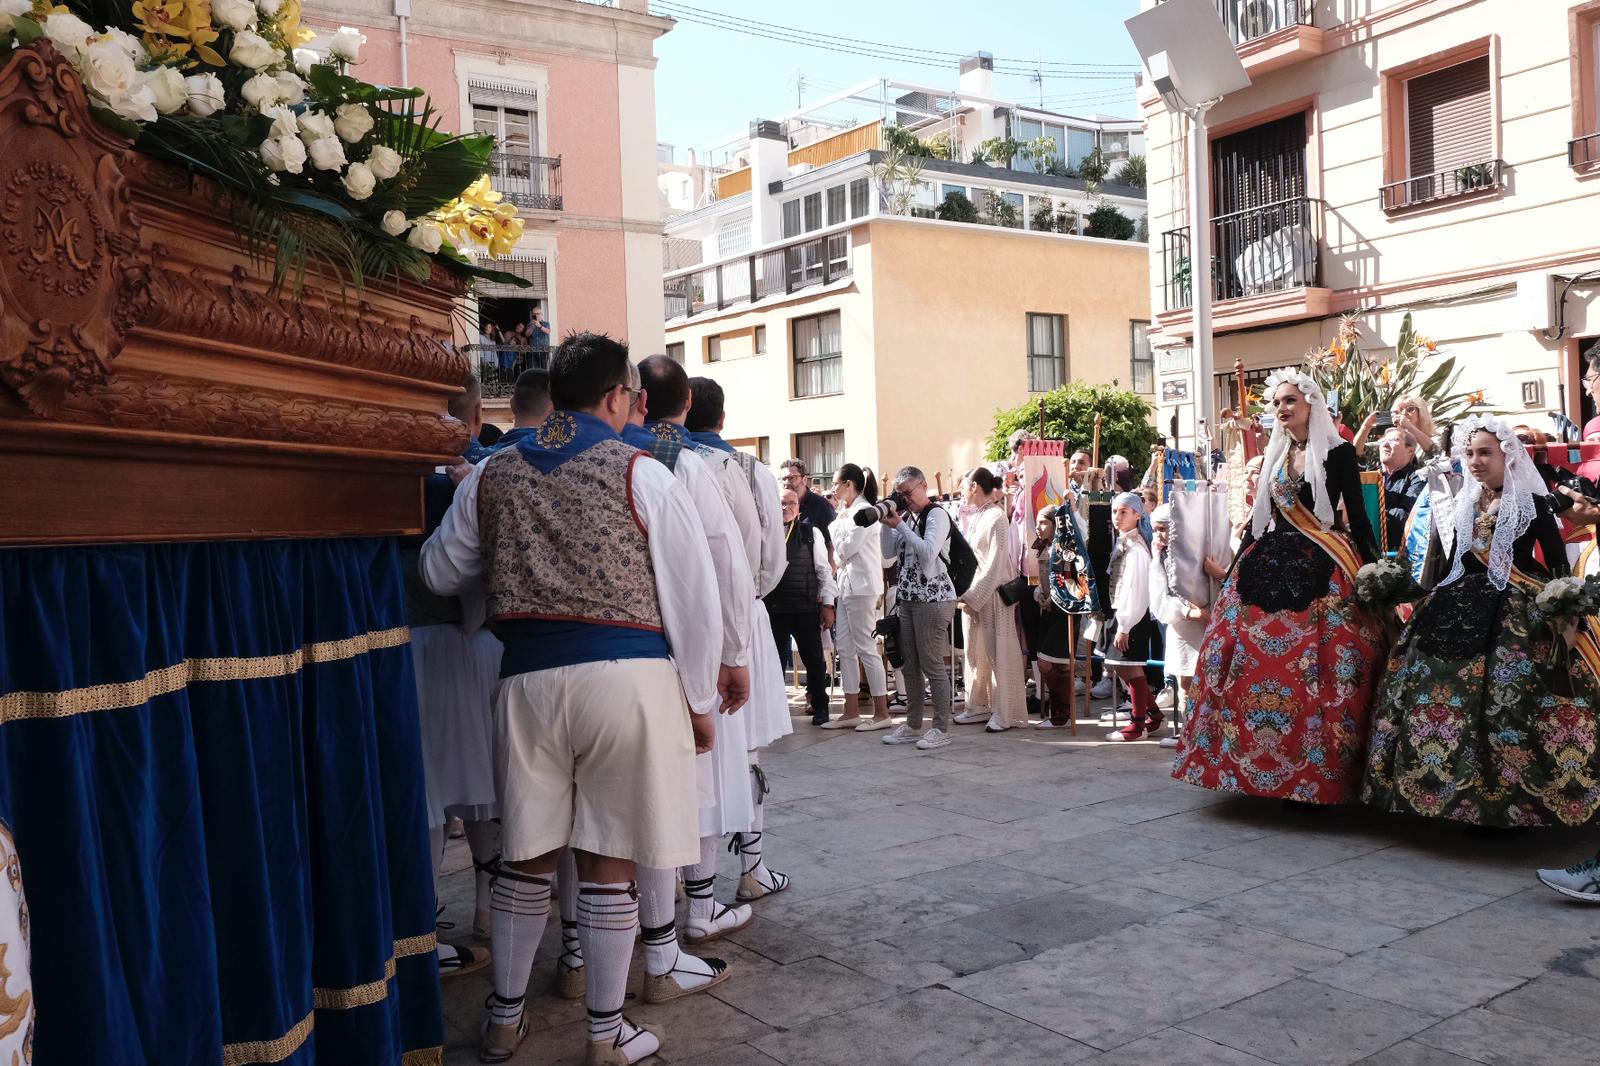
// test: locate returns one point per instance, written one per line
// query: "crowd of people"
(610, 595)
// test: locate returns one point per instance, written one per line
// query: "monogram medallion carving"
(70, 284)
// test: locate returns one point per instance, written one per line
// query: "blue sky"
(711, 82)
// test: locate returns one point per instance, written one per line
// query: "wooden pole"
(1041, 418)
(938, 482)
(1095, 461)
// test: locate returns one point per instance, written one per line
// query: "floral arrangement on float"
(1364, 383)
(315, 164)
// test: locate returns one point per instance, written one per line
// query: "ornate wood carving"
(70, 285)
(136, 337)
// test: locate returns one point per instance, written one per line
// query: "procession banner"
(1044, 488)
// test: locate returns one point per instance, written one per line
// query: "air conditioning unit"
(1257, 18)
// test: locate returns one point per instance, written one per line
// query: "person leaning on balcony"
(1413, 416)
(860, 560)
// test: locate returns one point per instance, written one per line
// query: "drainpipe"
(402, 11)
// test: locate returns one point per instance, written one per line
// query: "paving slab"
(1497, 1040)
(1308, 1024)
(794, 994)
(1174, 1047)
(1416, 981)
(1281, 909)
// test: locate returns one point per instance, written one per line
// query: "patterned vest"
(567, 545)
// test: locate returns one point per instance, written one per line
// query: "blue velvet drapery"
(209, 756)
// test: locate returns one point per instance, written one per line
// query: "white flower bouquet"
(1566, 599)
(1385, 583)
(317, 164)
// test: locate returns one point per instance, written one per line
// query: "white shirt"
(735, 586)
(859, 552)
(1130, 599)
(686, 584)
(774, 551)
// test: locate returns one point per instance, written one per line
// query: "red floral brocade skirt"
(1287, 672)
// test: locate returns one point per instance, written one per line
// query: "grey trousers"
(925, 645)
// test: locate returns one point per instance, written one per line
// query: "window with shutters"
(818, 357)
(675, 352)
(1047, 352)
(714, 349)
(1583, 151)
(1142, 361)
(1441, 132)
(823, 453)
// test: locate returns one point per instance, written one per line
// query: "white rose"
(315, 126)
(10, 9)
(107, 70)
(394, 223)
(304, 60)
(137, 104)
(384, 162)
(261, 91)
(235, 14)
(353, 122)
(69, 33)
(284, 123)
(327, 153)
(252, 50)
(346, 44)
(358, 180)
(167, 87)
(426, 236)
(291, 90)
(206, 96)
(283, 153)
(270, 8)
(130, 44)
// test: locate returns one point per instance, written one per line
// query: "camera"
(894, 503)
(889, 629)
(1555, 476)
(1383, 420)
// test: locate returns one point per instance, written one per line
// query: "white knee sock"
(519, 908)
(699, 879)
(608, 922)
(658, 930)
(567, 885)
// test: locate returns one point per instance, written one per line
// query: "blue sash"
(563, 435)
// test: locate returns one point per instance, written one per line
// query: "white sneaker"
(972, 716)
(1080, 685)
(1167, 742)
(1119, 716)
(933, 738)
(1166, 700)
(1102, 689)
(900, 734)
(1579, 881)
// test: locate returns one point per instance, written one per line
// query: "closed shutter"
(1448, 118)
(1264, 164)
(527, 267)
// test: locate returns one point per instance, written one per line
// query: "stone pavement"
(1033, 898)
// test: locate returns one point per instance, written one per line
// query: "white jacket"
(858, 553)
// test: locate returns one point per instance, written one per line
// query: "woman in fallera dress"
(1290, 659)
(1484, 716)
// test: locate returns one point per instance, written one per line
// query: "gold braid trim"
(23, 706)
(360, 996)
(415, 945)
(269, 1050)
(427, 1056)
(253, 1051)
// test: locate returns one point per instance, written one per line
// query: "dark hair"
(705, 407)
(461, 404)
(531, 394)
(1125, 479)
(667, 383)
(797, 465)
(584, 368)
(984, 478)
(490, 435)
(866, 485)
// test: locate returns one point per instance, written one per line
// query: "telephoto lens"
(894, 503)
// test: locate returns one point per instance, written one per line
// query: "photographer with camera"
(1410, 415)
(1402, 480)
(920, 533)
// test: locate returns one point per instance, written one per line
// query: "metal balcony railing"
(499, 365)
(1246, 20)
(1265, 249)
(782, 270)
(530, 181)
(1583, 151)
(1443, 184)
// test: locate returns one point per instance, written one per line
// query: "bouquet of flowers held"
(314, 163)
(1385, 583)
(1564, 600)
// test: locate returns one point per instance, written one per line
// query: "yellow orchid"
(288, 24)
(481, 194)
(44, 9)
(1386, 375)
(177, 28)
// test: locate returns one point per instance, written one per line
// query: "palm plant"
(1365, 384)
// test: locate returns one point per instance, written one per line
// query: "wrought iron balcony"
(1247, 20)
(1443, 185)
(530, 181)
(783, 270)
(1583, 151)
(1265, 249)
(499, 365)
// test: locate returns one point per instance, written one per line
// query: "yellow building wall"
(951, 303)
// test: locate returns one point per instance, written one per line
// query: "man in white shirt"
(600, 585)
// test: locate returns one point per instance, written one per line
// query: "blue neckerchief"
(638, 436)
(669, 431)
(563, 435)
(476, 452)
(712, 440)
(512, 436)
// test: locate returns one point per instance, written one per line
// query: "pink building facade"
(568, 88)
